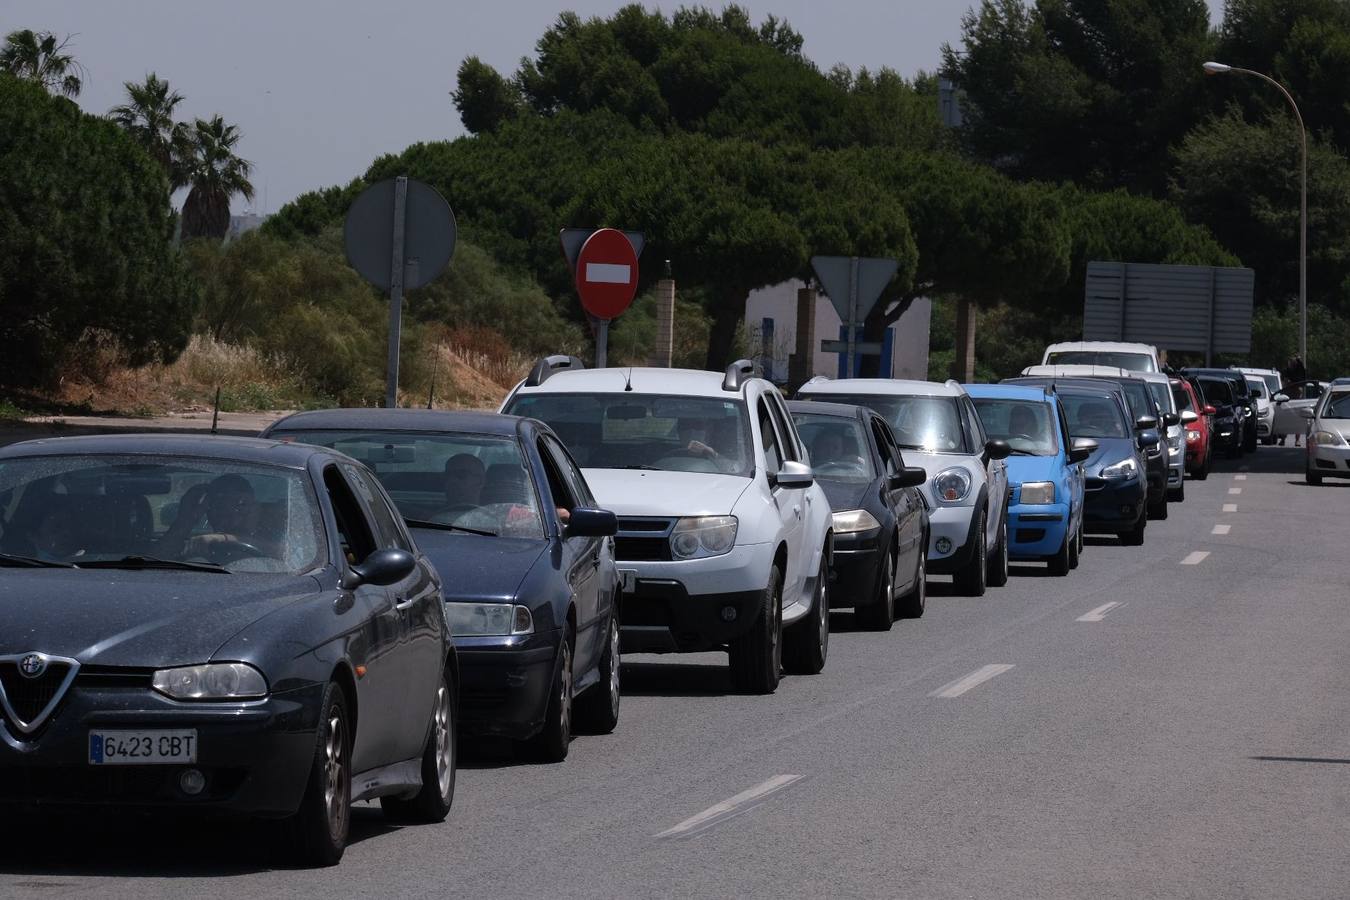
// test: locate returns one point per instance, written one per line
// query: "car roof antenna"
(628, 380)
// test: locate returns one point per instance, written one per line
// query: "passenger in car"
(233, 516)
(464, 478)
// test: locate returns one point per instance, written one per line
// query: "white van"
(1134, 357)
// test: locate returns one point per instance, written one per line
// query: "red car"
(1199, 447)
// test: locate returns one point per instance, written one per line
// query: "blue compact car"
(1045, 472)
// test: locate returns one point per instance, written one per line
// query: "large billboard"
(1203, 309)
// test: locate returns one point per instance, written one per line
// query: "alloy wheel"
(614, 668)
(335, 796)
(445, 745)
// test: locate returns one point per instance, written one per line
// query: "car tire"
(432, 803)
(1177, 495)
(1081, 542)
(319, 828)
(1203, 472)
(913, 604)
(880, 613)
(998, 565)
(1062, 561)
(1074, 552)
(806, 644)
(1313, 477)
(1135, 536)
(756, 657)
(552, 742)
(970, 581)
(597, 710)
(1158, 510)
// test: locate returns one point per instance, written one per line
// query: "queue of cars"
(283, 626)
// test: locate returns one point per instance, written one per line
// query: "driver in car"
(464, 479)
(1024, 423)
(232, 517)
(1095, 419)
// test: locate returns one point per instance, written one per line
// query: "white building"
(771, 330)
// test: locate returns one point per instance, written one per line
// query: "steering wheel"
(230, 549)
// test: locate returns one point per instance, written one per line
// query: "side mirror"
(1280, 398)
(1149, 439)
(1188, 416)
(1306, 412)
(997, 449)
(1082, 448)
(1210, 410)
(1143, 423)
(383, 567)
(793, 475)
(1170, 419)
(908, 477)
(587, 522)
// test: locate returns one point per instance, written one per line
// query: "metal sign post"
(601, 343)
(396, 292)
(853, 284)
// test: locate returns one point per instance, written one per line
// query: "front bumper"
(1114, 505)
(855, 569)
(951, 542)
(1036, 532)
(504, 683)
(1332, 462)
(663, 617)
(256, 756)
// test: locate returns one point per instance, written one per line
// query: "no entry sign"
(607, 273)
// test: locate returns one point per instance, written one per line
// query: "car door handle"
(403, 605)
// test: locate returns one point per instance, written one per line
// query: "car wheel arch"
(346, 681)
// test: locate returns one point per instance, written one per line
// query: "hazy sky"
(320, 89)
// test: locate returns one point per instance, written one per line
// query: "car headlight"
(1328, 439)
(1246, 411)
(1126, 468)
(1175, 443)
(1192, 436)
(488, 619)
(213, 681)
(702, 536)
(951, 485)
(1038, 492)
(854, 520)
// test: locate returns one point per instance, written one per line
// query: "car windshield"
(919, 423)
(160, 512)
(1134, 362)
(1338, 406)
(1182, 398)
(477, 482)
(1026, 425)
(837, 447)
(1257, 386)
(647, 431)
(1272, 384)
(1217, 392)
(1162, 395)
(1093, 416)
(1137, 395)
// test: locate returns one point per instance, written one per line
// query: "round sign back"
(428, 234)
(607, 273)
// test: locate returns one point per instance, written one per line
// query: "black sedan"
(221, 624)
(530, 583)
(880, 518)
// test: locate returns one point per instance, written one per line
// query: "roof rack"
(550, 364)
(737, 374)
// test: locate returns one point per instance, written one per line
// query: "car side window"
(1065, 440)
(890, 462)
(354, 535)
(791, 447)
(973, 425)
(576, 482)
(557, 484)
(773, 460)
(390, 532)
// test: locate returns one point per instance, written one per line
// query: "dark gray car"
(220, 624)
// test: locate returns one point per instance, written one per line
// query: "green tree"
(148, 116)
(484, 98)
(215, 173)
(38, 56)
(81, 254)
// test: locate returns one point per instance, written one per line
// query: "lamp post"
(1218, 68)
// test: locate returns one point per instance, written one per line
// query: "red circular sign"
(607, 273)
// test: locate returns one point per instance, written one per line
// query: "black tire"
(319, 828)
(998, 564)
(1158, 510)
(756, 657)
(1135, 536)
(1062, 561)
(880, 613)
(970, 581)
(1075, 553)
(913, 604)
(806, 645)
(1177, 495)
(1081, 543)
(1313, 477)
(432, 803)
(1203, 472)
(598, 709)
(552, 742)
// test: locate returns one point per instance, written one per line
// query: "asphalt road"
(1192, 740)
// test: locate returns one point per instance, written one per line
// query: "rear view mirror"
(381, 568)
(1143, 423)
(909, 476)
(1306, 412)
(1189, 416)
(1280, 398)
(1210, 410)
(1170, 419)
(587, 522)
(1082, 449)
(793, 475)
(1149, 439)
(997, 449)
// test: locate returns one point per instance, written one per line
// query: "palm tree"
(216, 174)
(148, 117)
(36, 56)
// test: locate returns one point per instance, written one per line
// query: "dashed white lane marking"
(966, 682)
(1239, 477)
(1196, 558)
(1230, 507)
(1100, 612)
(1222, 529)
(1235, 490)
(731, 806)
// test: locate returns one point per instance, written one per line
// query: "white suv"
(724, 537)
(1134, 357)
(967, 493)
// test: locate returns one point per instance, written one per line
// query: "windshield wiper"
(644, 467)
(151, 562)
(1016, 452)
(445, 526)
(32, 562)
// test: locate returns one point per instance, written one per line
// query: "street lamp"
(1218, 68)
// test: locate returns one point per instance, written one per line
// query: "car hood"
(846, 494)
(477, 568)
(146, 619)
(638, 492)
(1023, 469)
(1109, 452)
